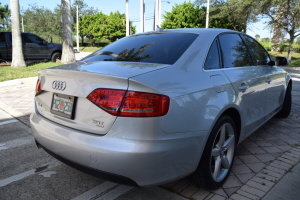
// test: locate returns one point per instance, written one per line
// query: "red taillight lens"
(140, 104)
(38, 87)
(107, 99)
(130, 104)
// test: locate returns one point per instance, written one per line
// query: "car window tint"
(234, 51)
(2, 37)
(164, 48)
(260, 55)
(212, 60)
(34, 39)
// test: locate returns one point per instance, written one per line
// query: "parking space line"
(96, 191)
(8, 122)
(18, 177)
(28, 173)
(115, 193)
(15, 143)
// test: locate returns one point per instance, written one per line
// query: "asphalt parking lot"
(261, 161)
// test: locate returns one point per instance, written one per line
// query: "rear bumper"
(91, 171)
(131, 161)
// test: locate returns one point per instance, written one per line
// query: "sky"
(107, 6)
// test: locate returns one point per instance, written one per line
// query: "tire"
(287, 104)
(218, 155)
(56, 55)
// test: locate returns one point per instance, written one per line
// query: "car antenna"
(159, 28)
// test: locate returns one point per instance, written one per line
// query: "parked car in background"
(34, 47)
(155, 107)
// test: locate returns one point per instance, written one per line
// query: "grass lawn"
(10, 73)
(88, 49)
(295, 57)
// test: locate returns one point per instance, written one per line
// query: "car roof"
(213, 31)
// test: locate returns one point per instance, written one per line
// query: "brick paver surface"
(261, 160)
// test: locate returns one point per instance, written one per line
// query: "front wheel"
(218, 155)
(287, 103)
(55, 56)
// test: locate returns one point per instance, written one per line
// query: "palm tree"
(68, 55)
(4, 16)
(17, 53)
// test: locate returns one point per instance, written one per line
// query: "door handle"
(243, 87)
(268, 80)
(30, 46)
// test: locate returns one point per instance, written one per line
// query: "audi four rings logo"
(59, 85)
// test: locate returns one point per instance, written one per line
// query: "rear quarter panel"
(196, 100)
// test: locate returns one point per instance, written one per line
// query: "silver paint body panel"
(157, 150)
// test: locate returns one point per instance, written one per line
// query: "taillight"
(130, 103)
(38, 89)
(107, 99)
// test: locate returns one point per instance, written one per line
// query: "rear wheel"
(55, 56)
(218, 155)
(287, 103)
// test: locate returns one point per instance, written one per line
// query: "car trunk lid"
(71, 84)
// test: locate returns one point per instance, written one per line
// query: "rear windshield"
(164, 48)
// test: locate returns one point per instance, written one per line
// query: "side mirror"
(281, 61)
(44, 42)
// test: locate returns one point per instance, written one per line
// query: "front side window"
(212, 60)
(259, 54)
(234, 51)
(34, 39)
(164, 48)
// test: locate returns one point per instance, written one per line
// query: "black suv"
(34, 47)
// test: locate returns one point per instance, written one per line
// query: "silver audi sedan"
(159, 106)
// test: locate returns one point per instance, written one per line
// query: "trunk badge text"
(59, 85)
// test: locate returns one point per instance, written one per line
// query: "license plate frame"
(63, 105)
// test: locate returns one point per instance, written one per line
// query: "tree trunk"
(68, 55)
(82, 40)
(277, 31)
(290, 46)
(17, 51)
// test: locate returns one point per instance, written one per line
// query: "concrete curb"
(291, 68)
(14, 82)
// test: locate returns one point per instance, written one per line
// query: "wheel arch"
(236, 117)
(288, 80)
(290, 83)
(56, 51)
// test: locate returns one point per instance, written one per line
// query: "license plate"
(63, 105)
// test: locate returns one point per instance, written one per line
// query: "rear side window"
(234, 51)
(164, 48)
(213, 58)
(259, 54)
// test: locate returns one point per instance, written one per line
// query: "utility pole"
(155, 15)
(207, 14)
(77, 27)
(22, 25)
(159, 13)
(142, 15)
(127, 18)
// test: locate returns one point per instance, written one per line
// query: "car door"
(3, 51)
(35, 48)
(9, 45)
(247, 80)
(274, 76)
